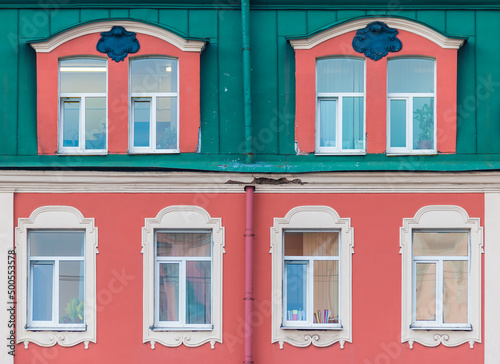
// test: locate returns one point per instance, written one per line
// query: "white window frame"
(338, 97)
(309, 260)
(311, 218)
(54, 261)
(152, 96)
(56, 218)
(82, 97)
(408, 98)
(441, 218)
(181, 261)
(181, 218)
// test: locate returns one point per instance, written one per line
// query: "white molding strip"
(6, 244)
(59, 181)
(131, 26)
(491, 278)
(399, 24)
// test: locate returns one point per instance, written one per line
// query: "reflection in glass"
(42, 277)
(296, 291)
(426, 292)
(169, 292)
(198, 292)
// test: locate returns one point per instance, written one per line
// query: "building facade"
(259, 182)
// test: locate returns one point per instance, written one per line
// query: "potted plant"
(425, 118)
(74, 312)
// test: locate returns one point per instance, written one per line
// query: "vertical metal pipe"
(247, 89)
(249, 190)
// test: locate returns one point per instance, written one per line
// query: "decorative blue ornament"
(118, 43)
(376, 40)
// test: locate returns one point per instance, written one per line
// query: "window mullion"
(157, 293)
(439, 292)
(310, 292)
(152, 124)
(81, 124)
(55, 294)
(338, 127)
(409, 123)
(182, 292)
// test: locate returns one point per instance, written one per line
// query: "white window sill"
(187, 329)
(411, 152)
(165, 151)
(71, 328)
(313, 328)
(442, 328)
(63, 153)
(346, 152)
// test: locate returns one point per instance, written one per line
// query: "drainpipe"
(249, 190)
(247, 90)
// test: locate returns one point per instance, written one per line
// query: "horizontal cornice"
(207, 182)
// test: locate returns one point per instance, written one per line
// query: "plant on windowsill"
(425, 118)
(74, 312)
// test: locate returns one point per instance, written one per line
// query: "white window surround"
(409, 97)
(181, 217)
(338, 97)
(56, 218)
(312, 218)
(442, 217)
(82, 97)
(153, 101)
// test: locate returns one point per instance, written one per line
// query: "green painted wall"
(273, 82)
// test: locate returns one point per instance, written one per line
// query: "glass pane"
(326, 291)
(42, 291)
(406, 75)
(340, 75)
(95, 123)
(50, 243)
(198, 292)
(455, 291)
(183, 244)
(141, 113)
(440, 243)
(352, 123)
(311, 243)
(327, 122)
(426, 292)
(153, 75)
(423, 123)
(71, 292)
(166, 123)
(83, 75)
(169, 292)
(71, 122)
(398, 123)
(296, 291)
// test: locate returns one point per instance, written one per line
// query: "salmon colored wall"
(118, 100)
(376, 219)
(376, 90)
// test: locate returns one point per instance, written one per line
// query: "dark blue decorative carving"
(118, 43)
(376, 40)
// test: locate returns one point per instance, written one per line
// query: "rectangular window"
(411, 105)
(83, 115)
(340, 85)
(183, 279)
(311, 279)
(441, 279)
(56, 279)
(154, 104)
